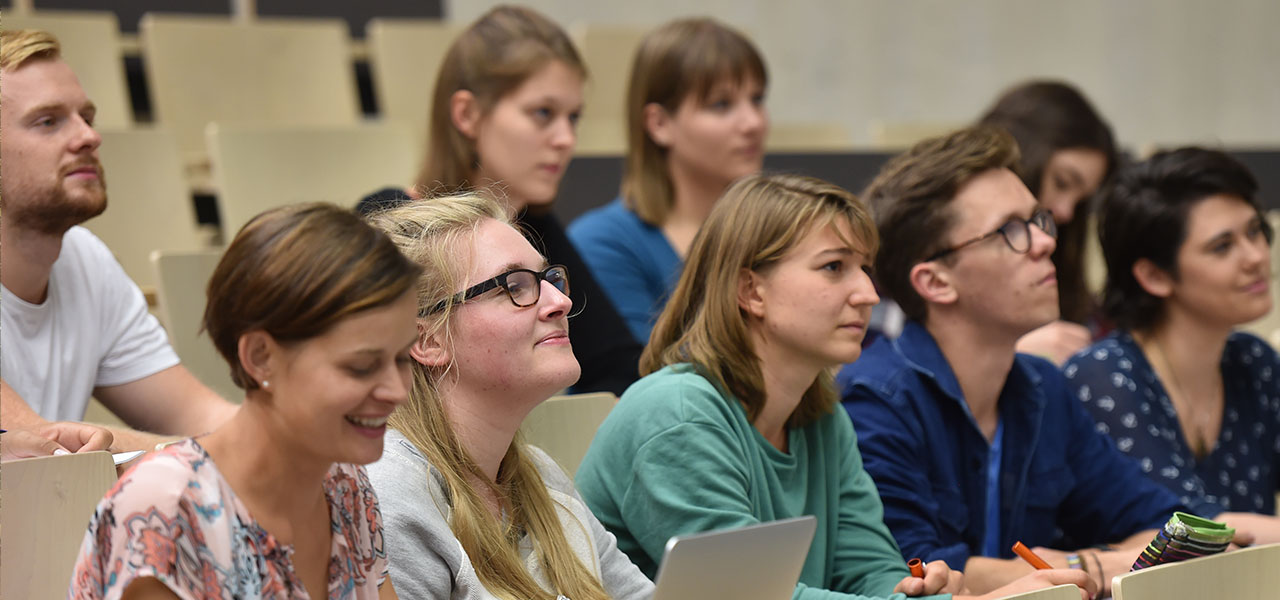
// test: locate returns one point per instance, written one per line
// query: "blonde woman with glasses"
(471, 510)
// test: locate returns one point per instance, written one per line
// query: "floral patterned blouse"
(175, 518)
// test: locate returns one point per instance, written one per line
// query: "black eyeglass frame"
(1041, 218)
(501, 281)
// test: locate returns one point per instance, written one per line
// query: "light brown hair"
(432, 233)
(911, 200)
(285, 274)
(753, 225)
(682, 59)
(491, 58)
(21, 46)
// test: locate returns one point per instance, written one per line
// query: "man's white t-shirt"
(93, 329)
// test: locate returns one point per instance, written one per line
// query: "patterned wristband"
(1073, 561)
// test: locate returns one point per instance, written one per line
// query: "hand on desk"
(1117, 561)
(61, 437)
(1041, 579)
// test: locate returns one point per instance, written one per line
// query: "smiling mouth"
(1257, 286)
(369, 422)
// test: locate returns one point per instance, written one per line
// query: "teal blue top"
(677, 456)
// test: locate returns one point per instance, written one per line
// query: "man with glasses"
(972, 446)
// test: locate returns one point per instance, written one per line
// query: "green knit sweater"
(676, 456)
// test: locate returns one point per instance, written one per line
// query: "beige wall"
(1163, 71)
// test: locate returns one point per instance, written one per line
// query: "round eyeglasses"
(1016, 232)
(523, 286)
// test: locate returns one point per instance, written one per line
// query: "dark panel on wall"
(592, 181)
(1265, 165)
(129, 11)
(355, 13)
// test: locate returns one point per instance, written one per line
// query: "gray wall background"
(1161, 71)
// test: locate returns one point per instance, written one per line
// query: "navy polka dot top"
(1242, 473)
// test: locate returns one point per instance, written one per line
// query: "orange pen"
(1023, 551)
(917, 567)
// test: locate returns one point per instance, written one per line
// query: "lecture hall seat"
(282, 71)
(793, 137)
(608, 51)
(90, 43)
(261, 167)
(181, 280)
(1245, 574)
(564, 426)
(404, 57)
(149, 205)
(47, 505)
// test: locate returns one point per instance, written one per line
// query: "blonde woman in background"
(695, 122)
(471, 510)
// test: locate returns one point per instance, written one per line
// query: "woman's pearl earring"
(265, 384)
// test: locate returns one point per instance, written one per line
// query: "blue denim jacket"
(1062, 483)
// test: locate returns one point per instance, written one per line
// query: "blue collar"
(923, 355)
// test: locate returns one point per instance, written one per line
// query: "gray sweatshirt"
(427, 562)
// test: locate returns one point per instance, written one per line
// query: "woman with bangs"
(471, 511)
(503, 121)
(696, 121)
(736, 421)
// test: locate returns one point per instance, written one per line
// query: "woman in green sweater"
(733, 423)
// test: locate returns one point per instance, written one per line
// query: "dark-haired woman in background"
(1067, 153)
(1198, 405)
(274, 504)
(503, 118)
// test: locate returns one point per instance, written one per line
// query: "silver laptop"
(757, 562)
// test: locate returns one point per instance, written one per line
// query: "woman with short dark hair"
(1188, 258)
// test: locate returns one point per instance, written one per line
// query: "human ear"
(429, 350)
(464, 111)
(933, 284)
(657, 123)
(749, 297)
(1153, 279)
(255, 350)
